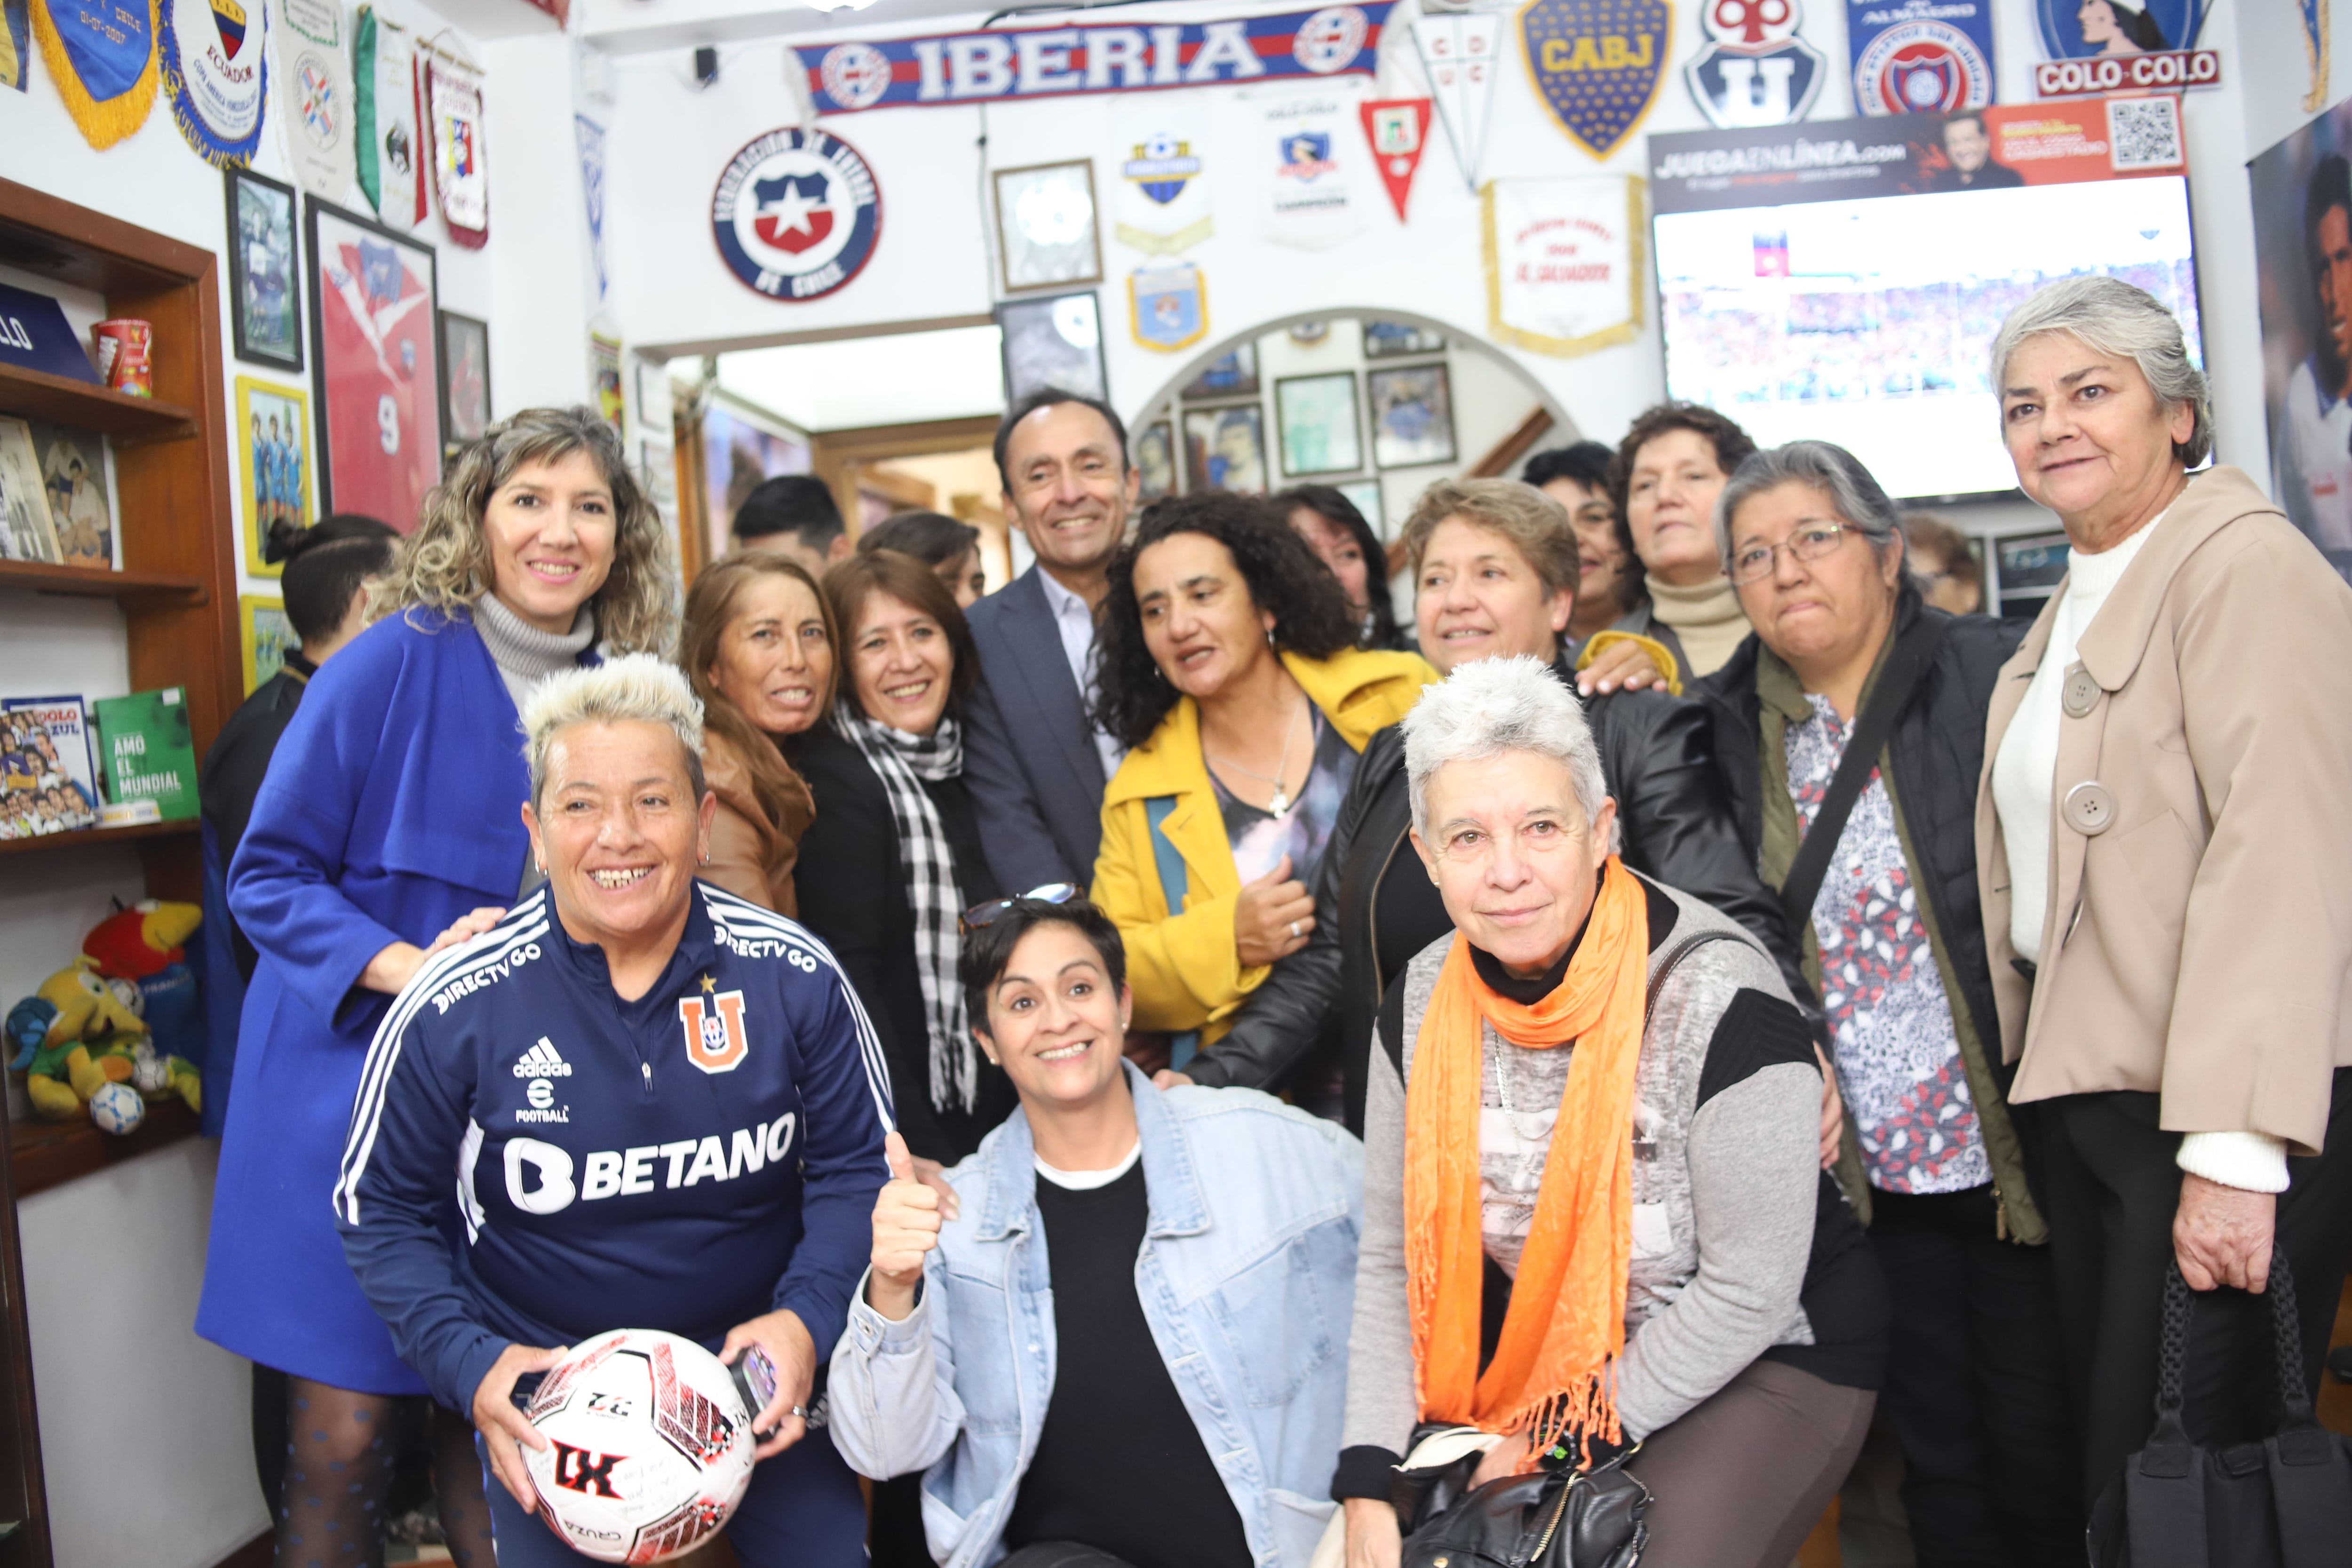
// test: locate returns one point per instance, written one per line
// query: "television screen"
(1843, 282)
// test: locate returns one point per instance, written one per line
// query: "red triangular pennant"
(1398, 128)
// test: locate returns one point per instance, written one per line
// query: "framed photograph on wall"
(1393, 340)
(1046, 231)
(1412, 415)
(265, 306)
(1053, 342)
(375, 364)
(1232, 374)
(465, 379)
(1317, 414)
(1155, 461)
(273, 464)
(1224, 449)
(265, 637)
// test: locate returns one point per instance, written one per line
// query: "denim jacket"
(1247, 1278)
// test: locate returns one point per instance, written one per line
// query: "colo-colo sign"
(2128, 73)
(1058, 62)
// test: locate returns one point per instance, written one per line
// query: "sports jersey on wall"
(378, 370)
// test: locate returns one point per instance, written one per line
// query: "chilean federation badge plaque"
(796, 215)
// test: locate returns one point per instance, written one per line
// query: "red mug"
(124, 362)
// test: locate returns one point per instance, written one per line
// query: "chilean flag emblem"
(793, 210)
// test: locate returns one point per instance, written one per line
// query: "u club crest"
(715, 1038)
(796, 215)
(1754, 70)
(1597, 64)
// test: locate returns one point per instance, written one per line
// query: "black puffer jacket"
(1655, 753)
(1937, 750)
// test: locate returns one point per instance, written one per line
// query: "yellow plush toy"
(88, 1044)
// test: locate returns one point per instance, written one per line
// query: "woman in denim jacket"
(1120, 1340)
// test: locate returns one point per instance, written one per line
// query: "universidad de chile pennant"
(1597, 64)
(1057, 62)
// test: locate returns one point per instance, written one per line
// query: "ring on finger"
(1294, 930)
(799, 1410)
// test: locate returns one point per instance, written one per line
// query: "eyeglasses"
(1809, 543)
(1051, 893)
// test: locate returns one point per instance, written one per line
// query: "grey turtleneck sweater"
(524, 654)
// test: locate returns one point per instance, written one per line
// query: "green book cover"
(149, 753)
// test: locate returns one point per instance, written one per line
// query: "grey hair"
(2117, 318)
(1855, 495)
(1491, 705)
(636, 688)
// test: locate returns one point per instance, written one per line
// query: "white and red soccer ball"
(649, 1446)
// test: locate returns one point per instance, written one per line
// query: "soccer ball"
(649, 1446)
(117, 1108)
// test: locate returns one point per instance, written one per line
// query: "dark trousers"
(1061, 1554)
(1976, 1386)
(2110, 1190)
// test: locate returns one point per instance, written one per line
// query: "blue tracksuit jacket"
(697, 1157)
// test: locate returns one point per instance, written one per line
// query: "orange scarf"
(1553, 1369)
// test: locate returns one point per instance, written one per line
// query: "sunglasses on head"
(1051, 893)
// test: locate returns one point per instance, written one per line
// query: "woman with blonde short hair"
(391, 813)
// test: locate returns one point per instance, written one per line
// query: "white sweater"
(2024, 778)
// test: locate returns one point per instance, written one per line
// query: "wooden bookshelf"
(96, 583)
(37, 395)
(89, 837)
(177, 596)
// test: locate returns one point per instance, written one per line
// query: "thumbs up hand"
(906, 1228)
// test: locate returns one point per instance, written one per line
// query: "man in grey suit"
(1033, 760)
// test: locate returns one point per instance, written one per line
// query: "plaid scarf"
(902, 761)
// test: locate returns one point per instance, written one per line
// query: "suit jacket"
(2197, 940)
(1029, 755)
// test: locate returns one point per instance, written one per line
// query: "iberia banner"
(1564, 270)
(101, 55)
(217, 74)
(1058, 62)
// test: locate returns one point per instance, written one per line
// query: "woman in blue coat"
(390, 824)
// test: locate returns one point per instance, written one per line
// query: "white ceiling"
(635, 26)
(899, 380)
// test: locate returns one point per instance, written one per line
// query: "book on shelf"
(73, 475)
(25, 534)
(49, 783)
(149, 751)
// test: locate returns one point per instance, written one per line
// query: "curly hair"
(709, 607)
(1282, 572)
(1731, 446)
(445, 563)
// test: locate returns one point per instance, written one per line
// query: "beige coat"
(751, 856)
(2197, 942)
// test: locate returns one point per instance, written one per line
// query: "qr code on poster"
(2143, 132)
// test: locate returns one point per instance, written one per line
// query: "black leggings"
(340, 1452)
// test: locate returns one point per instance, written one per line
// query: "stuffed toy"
(88, 1043)
(138, 942)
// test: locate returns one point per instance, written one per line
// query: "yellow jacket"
(1182, 964)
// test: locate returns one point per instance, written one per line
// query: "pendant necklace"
(1281, 802)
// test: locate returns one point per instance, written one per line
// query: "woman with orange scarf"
(1594, 1216)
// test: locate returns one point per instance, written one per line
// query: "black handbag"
(2284, 1502)
(1552, 1519)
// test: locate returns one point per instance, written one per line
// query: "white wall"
(672, 138)
(144, 1427)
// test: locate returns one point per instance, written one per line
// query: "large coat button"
(2081, 694)
(2089, 808)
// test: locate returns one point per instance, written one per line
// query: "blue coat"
(392, 807)
(1029, 756)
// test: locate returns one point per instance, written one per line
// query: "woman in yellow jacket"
(1225, 663)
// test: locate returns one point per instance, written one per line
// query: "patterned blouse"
(1898, 1062)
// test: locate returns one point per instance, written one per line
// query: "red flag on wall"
(1398, 128)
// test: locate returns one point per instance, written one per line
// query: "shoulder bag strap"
(1911, 654)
